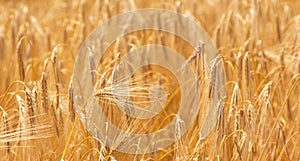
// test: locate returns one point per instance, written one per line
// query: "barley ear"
(20, 61)
(44, 92)
(6, 129)
(92, 66)
(29, 104)
(22, 114)
(71, 102)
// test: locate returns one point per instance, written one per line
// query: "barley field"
(259, 45)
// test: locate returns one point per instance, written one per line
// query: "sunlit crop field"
(259, 44)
